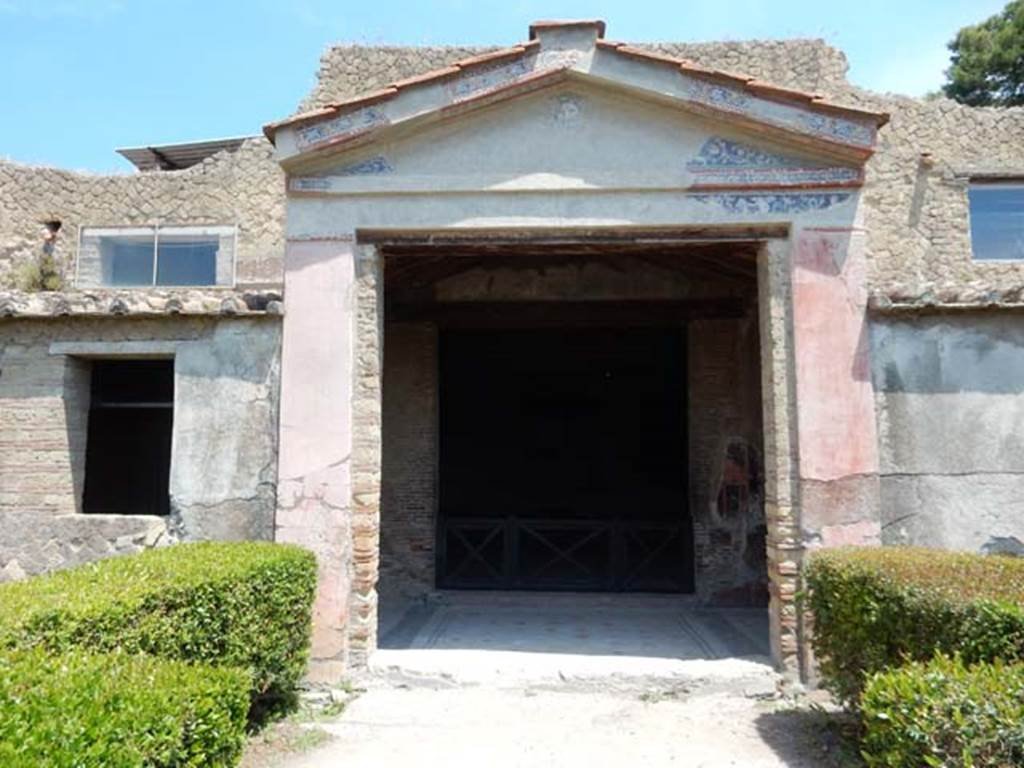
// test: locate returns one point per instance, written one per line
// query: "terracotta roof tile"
(735, 78)
(366, 99)
(686, 65)
(771, 90)
(529, 82)
(483, 58)
(641, 53)
(302, 117)
(881, 118)
(426, 77)
(759, 88)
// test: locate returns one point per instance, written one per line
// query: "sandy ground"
(497, 681)
(391, 725)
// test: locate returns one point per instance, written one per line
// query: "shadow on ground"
(811, 735)
(634, 625)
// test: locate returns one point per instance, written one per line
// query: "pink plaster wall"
(863, 533)
(835, 399)
(314, 491)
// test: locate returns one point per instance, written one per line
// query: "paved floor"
(492, 637)
(503, 680)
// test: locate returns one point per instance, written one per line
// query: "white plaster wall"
(611, 162)
(950, 405)
(577, 136)
(224, 454)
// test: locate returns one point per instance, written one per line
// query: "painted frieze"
(340, 127)
(772, 203)
(724, 162)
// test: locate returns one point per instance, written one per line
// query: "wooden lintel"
(575, 236)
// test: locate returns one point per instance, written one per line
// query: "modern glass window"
(129, 257)
(997, 220)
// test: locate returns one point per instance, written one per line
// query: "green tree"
(988, 61)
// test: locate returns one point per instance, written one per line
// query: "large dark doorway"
(563, 460)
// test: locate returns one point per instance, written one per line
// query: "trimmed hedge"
(79, 709)
(239, 604)
(876, 608)
(945, 714)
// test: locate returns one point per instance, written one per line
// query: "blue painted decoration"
(344, 125)
(371, 166)
(802, 202)
(723, 161)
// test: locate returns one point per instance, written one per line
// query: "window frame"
(218, 230)
(986, 181)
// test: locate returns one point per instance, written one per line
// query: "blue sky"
(84, 76)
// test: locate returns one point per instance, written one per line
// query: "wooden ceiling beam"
(541, 314)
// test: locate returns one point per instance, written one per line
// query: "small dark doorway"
(128, 450)
(563, 460)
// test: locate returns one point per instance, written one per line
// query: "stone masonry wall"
(243, 188)
(726, 461)
(409, 459)
(367, 418)
(915, 196)
(223, 469)
(348, 70)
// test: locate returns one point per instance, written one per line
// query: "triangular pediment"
(564, 59)
(576, 134)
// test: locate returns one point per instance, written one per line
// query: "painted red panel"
(835, 400)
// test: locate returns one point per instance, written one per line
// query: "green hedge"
(79, 710)
(241, 604)
(945, 714)
(875, 608)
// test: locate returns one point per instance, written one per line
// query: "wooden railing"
(565, 554)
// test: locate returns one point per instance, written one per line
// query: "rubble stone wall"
(915, 196)
(348, 70)
(244, 188)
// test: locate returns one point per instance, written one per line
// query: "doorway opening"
(563, 460)
(572, 417)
